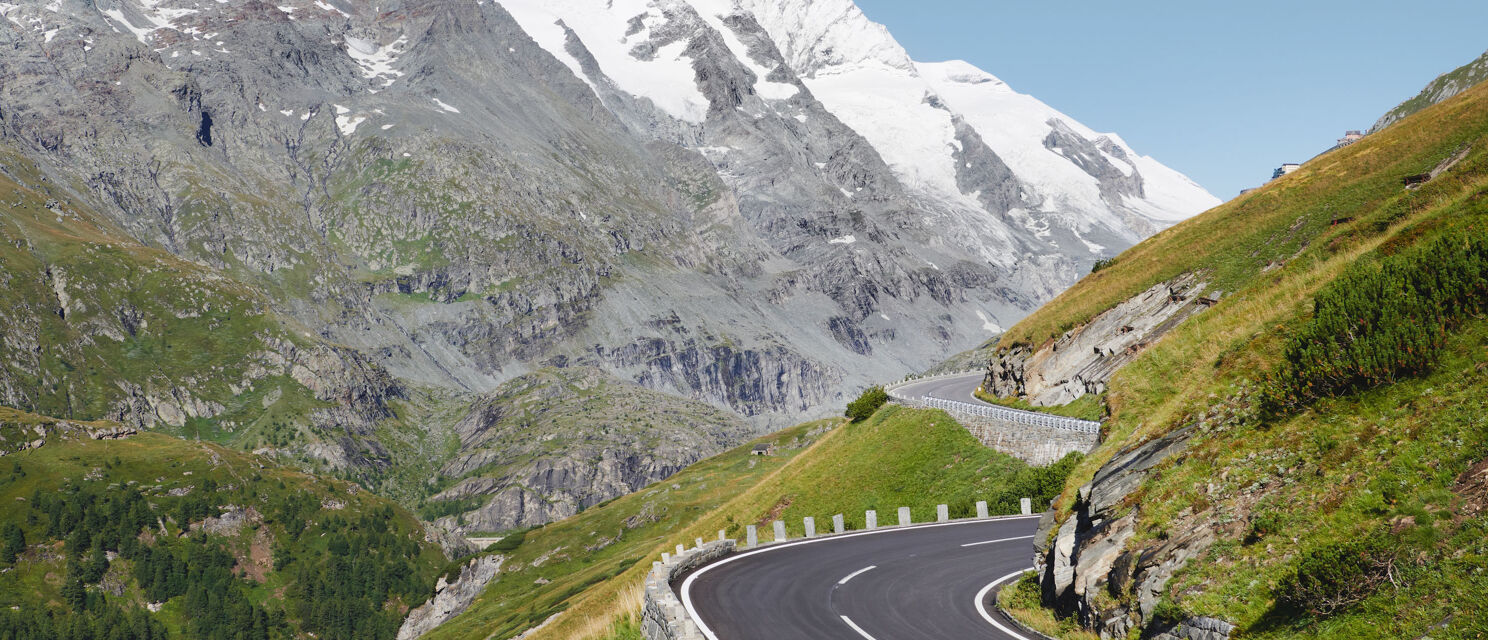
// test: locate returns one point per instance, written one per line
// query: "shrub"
(509, 542)
(1379, 322)
(1334, 576)
(1102, 264)
(1265, 522)
(866, 404)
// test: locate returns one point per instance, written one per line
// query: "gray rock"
(450, 599)
(1085, 358)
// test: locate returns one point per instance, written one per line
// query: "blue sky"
(1222, 91)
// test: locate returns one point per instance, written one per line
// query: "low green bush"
(1332, 577)
(509, 542)
(1265, 522)
(1381, 321)
(866, 404)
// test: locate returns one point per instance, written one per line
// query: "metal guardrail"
(1016, 416)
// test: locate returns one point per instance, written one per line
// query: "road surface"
(959, 388)
(930, 582)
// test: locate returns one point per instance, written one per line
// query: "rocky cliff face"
(685, 194)
(546, 445)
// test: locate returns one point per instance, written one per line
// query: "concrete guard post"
(904, 519)
(837, 523)
(722, 535)
(751, 536)
(941, 513)
(1027, 506)
(780, 531)
(871, 516)
(810, 523)
(981, 509)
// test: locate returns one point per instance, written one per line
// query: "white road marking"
(687, 584)
(982, 609)
(973, 544)
(854, 574)
(857, 628)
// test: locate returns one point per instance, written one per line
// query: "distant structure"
(762, 450)
(1349, 138)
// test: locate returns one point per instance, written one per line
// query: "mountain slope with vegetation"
(1443, 87)
(111, 532)
(1303, 459)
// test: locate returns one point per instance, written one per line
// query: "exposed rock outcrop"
(1087, 562)
(451, 598)
(1083, 360)
(547, 445)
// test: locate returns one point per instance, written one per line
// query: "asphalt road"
(960, 388)
(891, 584)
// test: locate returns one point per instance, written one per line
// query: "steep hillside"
(109, 532)
(1300, 458)
(586, 570)
(1443, 87)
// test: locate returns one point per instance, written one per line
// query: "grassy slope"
(900, 457)
(156, 464)
(1315, 469)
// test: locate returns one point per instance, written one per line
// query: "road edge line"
(982, 609)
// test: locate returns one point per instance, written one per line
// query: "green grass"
(1021, 599)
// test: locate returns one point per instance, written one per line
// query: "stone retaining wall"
(662, 615)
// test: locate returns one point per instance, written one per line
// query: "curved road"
(959, 388)
(929, 581)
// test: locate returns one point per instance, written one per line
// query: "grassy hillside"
(1385, 461)
(590, 566)
(156, 537)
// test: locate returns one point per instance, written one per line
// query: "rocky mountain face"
(546, 445)
(322, 227)
(1443, 87)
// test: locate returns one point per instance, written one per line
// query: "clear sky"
(1222, 91)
